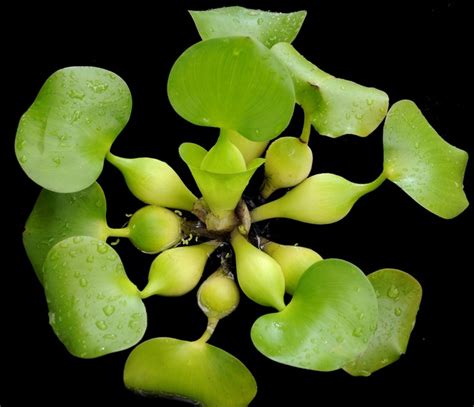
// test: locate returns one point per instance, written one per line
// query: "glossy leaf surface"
(94, 308)
(56, 217)
(329, 321)
(267, 27)
(399, 297)
(63, 138)
(421, 163)
(233, 83)
(336, 106)
(192, 371)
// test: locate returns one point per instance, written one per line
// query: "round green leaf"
(63, 138)
(336, 106)
(192, 371)
(233, 83)
(267, 27)
(94, 308)
(328, 322)
(421, 163)
(56, 217)
(399, 297)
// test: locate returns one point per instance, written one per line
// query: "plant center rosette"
(244, 80)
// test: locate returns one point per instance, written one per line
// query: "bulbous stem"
(211, 326)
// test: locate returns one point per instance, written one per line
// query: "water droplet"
(359, 116)
(57, 160)
(393, 292)
(83, 282)
(64, 245)
(102, 325)
(112, 257)
(20, 144)
(110, 336)
(73, 253)
(369, 102)
(361, 316)
(90, 259)
(277, 325)
(259, 21)
(98, 203)
(133, 324)
(102, 248)
(52, 318)
(77, 239)
(357, 332)
(384, 361)
(76, 94)
(23, 159)
(75, 116)
(339, 339)
(136, 315)
(205, 120)
(398, 311)
(108, 310)
(236, 52)
(97, 86)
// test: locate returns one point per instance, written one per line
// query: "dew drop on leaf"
(357, 332)
(102, 325)
(393, 292)
(108, 310)
(102, 248)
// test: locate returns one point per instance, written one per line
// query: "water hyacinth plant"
(244, 79)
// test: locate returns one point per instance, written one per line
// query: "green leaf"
(63, 138)
(233, 83)
(336, 106)
(320, 199)
(421, 163)
(329, 321)
(221, 191)
(94, 308)
(192, 371)
(399, 297)
(56, 217)
(267, 27)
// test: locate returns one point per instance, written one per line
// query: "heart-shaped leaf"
(399, 297)
(94, 308)
(329, 321)
(267, 27)
(233, 83)
(63, 138)
(421, 163)
(336, 106)
(56, 217)
(192, 371)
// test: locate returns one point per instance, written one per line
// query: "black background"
(410, 49)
